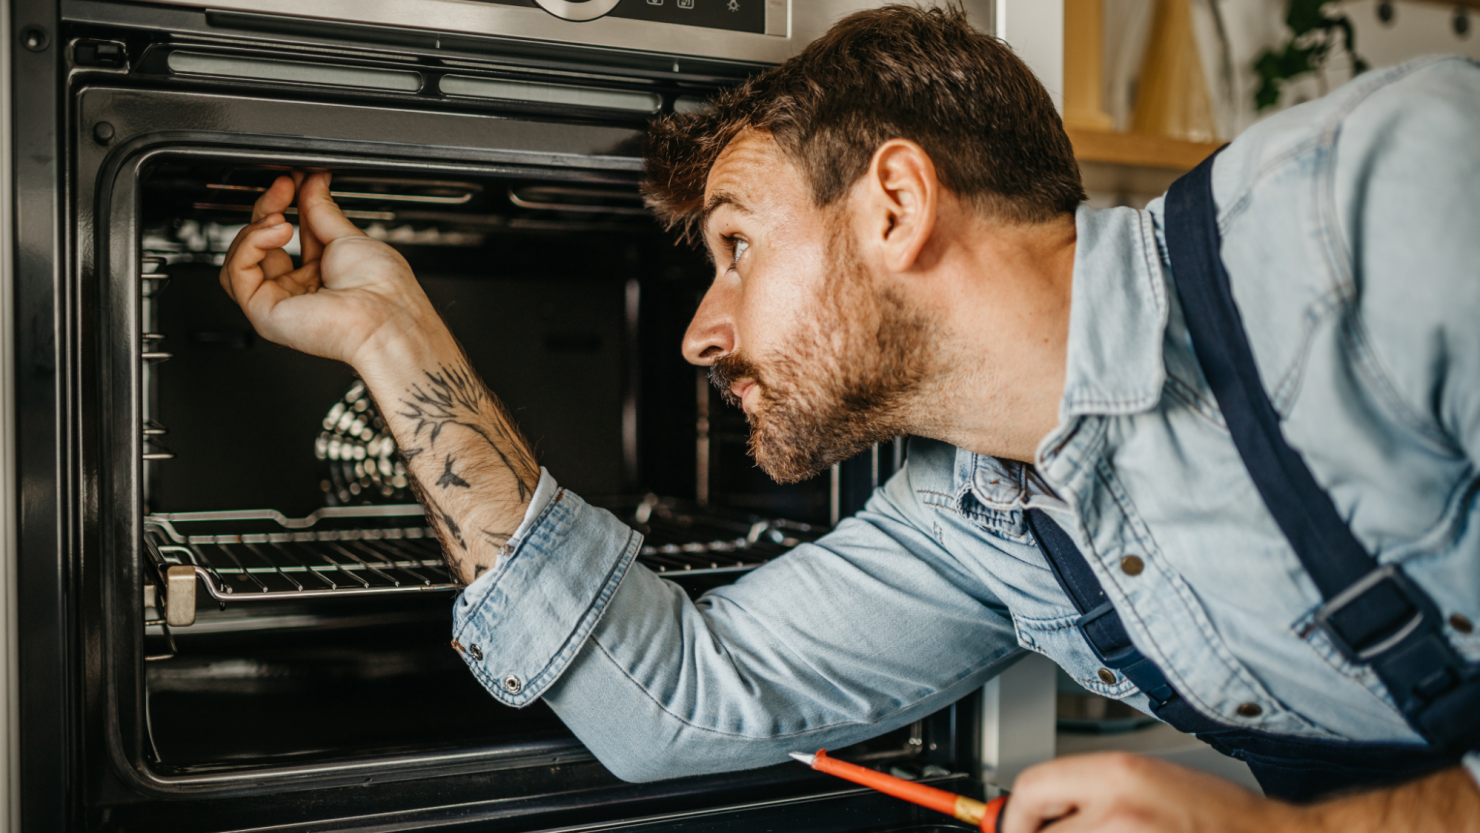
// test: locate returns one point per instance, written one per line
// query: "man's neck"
(1001, 296)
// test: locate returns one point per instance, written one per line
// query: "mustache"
(726, 371)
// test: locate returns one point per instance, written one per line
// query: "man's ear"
(900, 199)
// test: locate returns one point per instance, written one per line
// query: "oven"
(232, 613)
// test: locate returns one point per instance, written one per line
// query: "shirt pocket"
(1058, 639)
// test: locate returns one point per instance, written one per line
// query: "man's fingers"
(1057, 789)
(276, 199)
(276, 262)
(244, 269)
(320, 216)
(302, 280)
(230, 261)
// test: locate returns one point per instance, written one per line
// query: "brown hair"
(896, 72)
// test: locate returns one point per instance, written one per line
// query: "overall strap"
(1372, 613)
(1098, 620)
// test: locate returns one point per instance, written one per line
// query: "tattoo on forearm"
(440, 516)
(454, 396)
(441, 526)
(454, 530)
(448, 478)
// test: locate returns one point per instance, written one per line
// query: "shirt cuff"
(1472, 763)
(520, 624)
(544, 492)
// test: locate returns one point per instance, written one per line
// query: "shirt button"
(1249, 710)
(512, 684)
(1132, 565)
(1461, 623)
(1107, 676)
(475, 651)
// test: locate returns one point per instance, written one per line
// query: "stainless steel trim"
(778, 18)
(803, 22)
(10, 771)
(567, 10)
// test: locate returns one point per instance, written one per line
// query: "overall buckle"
(1387, 577)
(1116, 658)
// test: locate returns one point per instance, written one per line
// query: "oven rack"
(262, 555)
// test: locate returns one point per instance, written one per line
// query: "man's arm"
(1112, 792)
(356, 300)
(872, 626)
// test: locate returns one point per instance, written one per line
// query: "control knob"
(578, 9)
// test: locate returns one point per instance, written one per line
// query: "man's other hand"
(351, 293)
(1116, 792)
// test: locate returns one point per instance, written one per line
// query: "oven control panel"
(728, 15)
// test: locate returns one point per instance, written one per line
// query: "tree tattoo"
(455, 397)
(438, 514)
(449, 479)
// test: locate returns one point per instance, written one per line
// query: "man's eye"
(738, 247)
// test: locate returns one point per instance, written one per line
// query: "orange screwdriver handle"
(992, 817)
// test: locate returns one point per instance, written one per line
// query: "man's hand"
(1115, 792)
(351, 293)
(355, 299)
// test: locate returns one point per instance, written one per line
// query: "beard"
(835, 391)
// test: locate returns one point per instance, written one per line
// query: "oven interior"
(296, 613)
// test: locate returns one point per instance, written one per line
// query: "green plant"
(1316, 28)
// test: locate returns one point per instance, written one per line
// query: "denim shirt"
(1351, 233)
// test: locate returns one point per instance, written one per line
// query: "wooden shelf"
(1139, 150)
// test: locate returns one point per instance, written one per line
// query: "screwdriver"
(984, 815)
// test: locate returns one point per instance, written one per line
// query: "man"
(899, 248)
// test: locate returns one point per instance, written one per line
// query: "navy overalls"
(1373, 614)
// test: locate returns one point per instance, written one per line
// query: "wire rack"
(261, 554)
(264, 555)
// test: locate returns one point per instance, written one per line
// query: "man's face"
(796, 329)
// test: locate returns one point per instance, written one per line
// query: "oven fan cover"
(363, 464)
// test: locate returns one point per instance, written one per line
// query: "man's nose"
(711, 334)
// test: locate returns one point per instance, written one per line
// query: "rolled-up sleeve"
(519, 626)
(871, 627)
